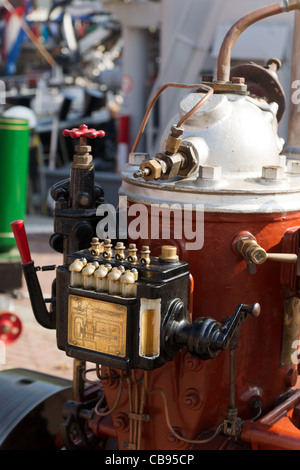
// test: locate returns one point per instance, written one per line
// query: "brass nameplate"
(97, 325)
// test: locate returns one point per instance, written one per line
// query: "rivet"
(173, 439)
(193, 398)
(192, 363)
(122, 422)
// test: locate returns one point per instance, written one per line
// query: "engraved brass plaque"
(97, 325)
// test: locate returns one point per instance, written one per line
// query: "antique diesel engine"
(193, 334)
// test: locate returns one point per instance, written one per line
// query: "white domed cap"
(21, 112)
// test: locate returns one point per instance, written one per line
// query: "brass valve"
(252, 252)
(82, 158)
(179, 159)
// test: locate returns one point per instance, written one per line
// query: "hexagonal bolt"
(239, 80)
(149, 170)
(210, 172)
(282, 160)
(208, 78)
(271, 172)
(293, 166)
(137, 158)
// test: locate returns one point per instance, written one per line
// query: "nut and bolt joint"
(272, 172)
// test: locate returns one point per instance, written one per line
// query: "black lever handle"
(205, 337)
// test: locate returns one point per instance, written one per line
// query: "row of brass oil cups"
(106, 249)
(168, 252)
(103, 278)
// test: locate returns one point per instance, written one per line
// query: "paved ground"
(35, 348)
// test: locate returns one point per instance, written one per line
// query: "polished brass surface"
(97, 325)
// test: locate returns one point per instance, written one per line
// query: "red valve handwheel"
(83, 131)
(10, 327)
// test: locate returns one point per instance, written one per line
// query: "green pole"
(14, 156)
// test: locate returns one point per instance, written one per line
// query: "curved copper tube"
(206, 88)
(224, 59)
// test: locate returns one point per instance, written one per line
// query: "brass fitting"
(82, 158)
(96, 247)
(114, 274)
(107, 249)
(120, 248)
(289, 5)
(128, 277)
(132, 257)
(237, 85)
(178, 159)
(168, 253)
(128, 283)
(135, 273)
(166, 166)
(145, 255)
(252, 252)
(77, 265)
(90, 268)
(87, 273)
(151, 169)
(174, 140)
(102, 271)
(172, 164)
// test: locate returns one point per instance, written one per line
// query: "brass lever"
(252, 252)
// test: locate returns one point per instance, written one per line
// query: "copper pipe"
(154, 99)
(167, 417)
(224, 59)
(196, 107)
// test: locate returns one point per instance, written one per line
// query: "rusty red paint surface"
(221, 282)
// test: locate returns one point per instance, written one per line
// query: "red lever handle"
(83, 131)
(21, 240)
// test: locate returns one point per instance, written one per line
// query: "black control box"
(111, 310)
